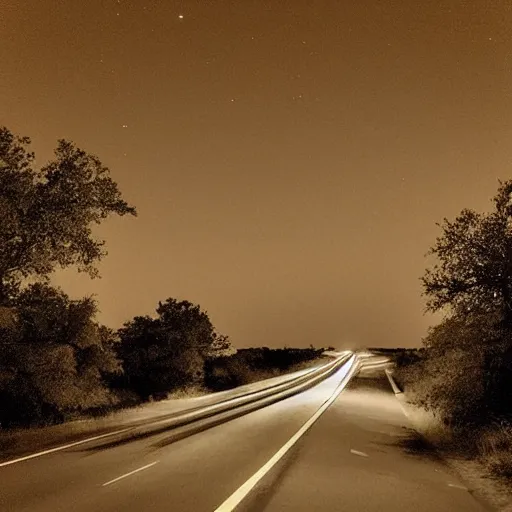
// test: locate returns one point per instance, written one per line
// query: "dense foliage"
(53, 358)
(474, 269)
(167, 352)
(47, 213)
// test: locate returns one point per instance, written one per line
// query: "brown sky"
(288, 158)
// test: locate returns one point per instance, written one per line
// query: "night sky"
(288, 158)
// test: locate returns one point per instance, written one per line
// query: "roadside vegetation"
(56, 361)
(253, 364)
(463, 374)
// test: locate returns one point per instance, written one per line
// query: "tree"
(47, 214)
(475, 261)
(464, 373)
(221, 346)
(53, 361)
(168, 352)
(468, 358)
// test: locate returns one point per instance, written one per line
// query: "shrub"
(495, 447)
(54, 360)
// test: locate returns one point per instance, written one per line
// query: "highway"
(354, 455)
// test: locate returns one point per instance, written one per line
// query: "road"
(356, 456)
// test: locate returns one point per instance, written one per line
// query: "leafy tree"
(221, 346)
(168, 352)
(54, 359)
(475, 261)
(465, 373)
(47, 213)
(464, 376)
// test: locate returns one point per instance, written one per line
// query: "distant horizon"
(339, 346)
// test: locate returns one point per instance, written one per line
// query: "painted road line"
(235, 499)
(63, 447)
(393, 383)
(357, 452)
(457, 486)
(130, 473)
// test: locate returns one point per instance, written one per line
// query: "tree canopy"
(167, 352)
(474, 268)
(47, 213)
(465, 373)
(54, 358)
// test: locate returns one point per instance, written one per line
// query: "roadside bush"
(495, 447)
(54, 359)
(407, 356)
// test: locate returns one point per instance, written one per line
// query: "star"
(180, 16)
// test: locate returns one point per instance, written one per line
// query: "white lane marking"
(361, 454)
(393, 383)
(130, 473)
(234, 500)
(457, 486)
(63, 447)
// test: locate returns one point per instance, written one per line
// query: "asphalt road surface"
(360, 455)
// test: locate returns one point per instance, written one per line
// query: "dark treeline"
(56, 360)
(400, 356)
(252, 364)
(392, 351)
